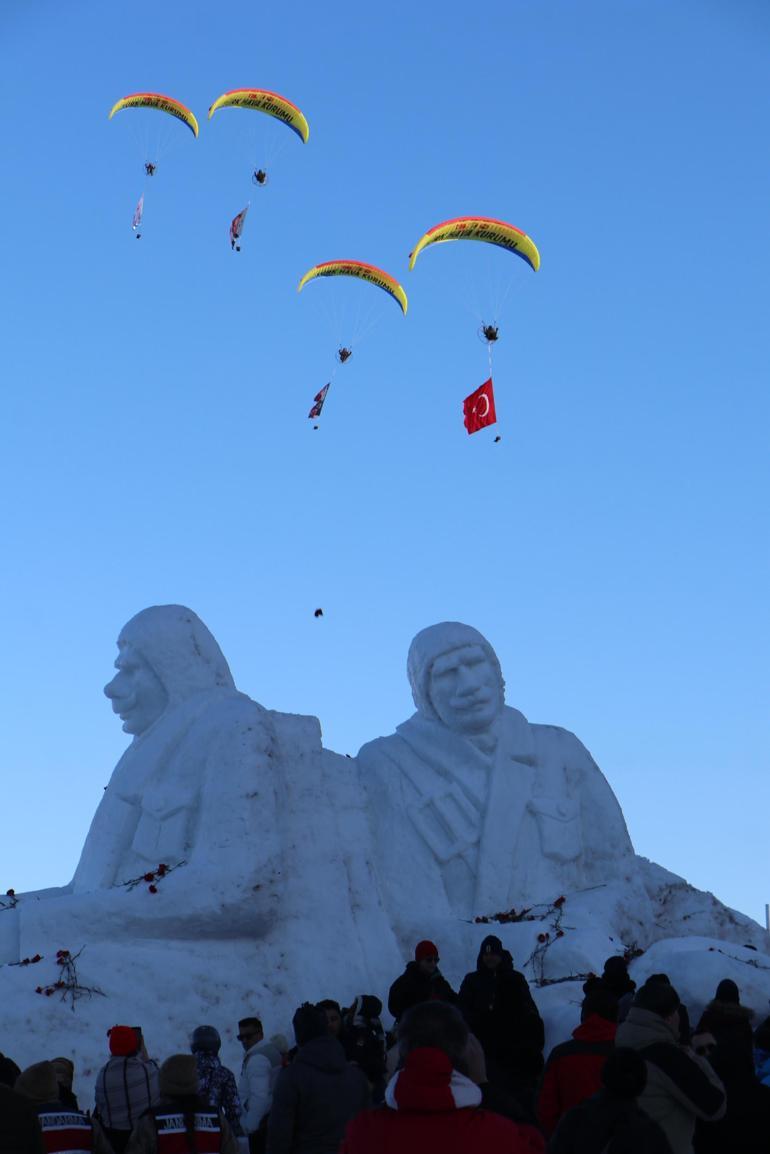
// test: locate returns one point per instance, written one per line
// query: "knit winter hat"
(425, 949)
(123, 1041)
(727, 991)
(179, 1076)
(38, 1083)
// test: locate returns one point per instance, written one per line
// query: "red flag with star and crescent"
(479, 408)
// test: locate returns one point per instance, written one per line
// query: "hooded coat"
(501, 1012)
(314, 1099)
(681, 1086)
(573, 1071)
(432, 1107)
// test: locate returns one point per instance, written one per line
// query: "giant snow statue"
(474, 809)
(260, 833)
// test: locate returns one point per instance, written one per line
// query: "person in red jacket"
(430, 1104)
(573, 1071)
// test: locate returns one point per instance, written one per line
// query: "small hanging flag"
(236, 228)
(318, 402)
(479, 408)
(136, 223)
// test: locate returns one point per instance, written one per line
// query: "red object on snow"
(479, 408)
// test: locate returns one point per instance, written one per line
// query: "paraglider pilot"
(489, 333)
(259, 176)
(343, 354)
(150, 168)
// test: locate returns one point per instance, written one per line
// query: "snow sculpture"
(196, 777)
(473, 809)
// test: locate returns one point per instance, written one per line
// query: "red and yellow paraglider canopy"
(483, 228)
(366, 272)
(161, 103)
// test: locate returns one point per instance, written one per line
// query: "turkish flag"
(479, 408)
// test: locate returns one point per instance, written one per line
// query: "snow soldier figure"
(473, 809)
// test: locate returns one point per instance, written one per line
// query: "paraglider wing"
(482, 228)
(366, 272)
(236, 226)
(263, 101)
(162, 103)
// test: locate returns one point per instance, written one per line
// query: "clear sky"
(154, 443)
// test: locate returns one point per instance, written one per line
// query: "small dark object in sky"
(318, 613)
(315, 426)
(498, 439)
(343, 354)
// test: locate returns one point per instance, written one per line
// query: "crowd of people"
(461, 1072)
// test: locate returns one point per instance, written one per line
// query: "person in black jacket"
(316, 1096)
(501, 1012)
(611, 1122)
(421, 981)
(19, 1129)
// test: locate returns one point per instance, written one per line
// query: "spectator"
(573, 1071)
(615, 979)
(500, 1011)
(181, 1120)
(63, 1128)
(681, 1085)
(611, 1122)
(261, 1062)
(430, 1103)
(729, 1047)
(363, 1040)
(216, 1084)
(19, 1128)
(125, 1087)
(317, 1095)
(727, 1019)
(421, 981)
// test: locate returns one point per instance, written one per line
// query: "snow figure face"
(464, 690)
(443, 641)
(136, 692)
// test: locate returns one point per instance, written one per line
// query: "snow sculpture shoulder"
(474, 810)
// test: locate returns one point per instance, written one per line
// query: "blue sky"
(154, 445)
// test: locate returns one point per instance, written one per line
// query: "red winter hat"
(123, 1041)
(425, 949)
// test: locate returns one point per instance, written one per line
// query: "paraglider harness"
(259, 176)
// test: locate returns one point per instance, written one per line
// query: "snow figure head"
(165, 655)
(455, 677)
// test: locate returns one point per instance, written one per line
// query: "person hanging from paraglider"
(150, 168)
(489, 333)
(259, 176)
(344, 354)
